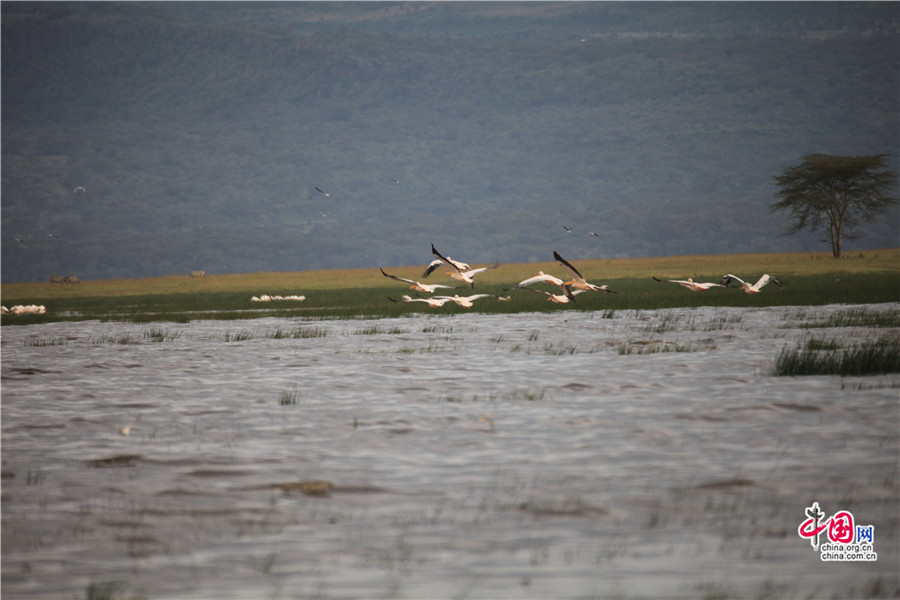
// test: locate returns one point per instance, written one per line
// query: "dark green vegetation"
(199, 131)
(821, 356)
(372, 302)
(817, 357)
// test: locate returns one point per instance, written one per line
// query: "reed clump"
(815, 357)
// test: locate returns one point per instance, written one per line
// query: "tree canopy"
(840, 192)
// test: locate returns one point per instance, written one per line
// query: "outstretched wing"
(766, 279)
(445, 259)
(539, 279)
(567, 265)
(431, 267)
(397, 278)
(478, 296)
(472, 272)
(537, 291)
(729, 278)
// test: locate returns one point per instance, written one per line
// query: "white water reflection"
(613, 468)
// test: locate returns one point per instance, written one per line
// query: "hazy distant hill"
(199, 131)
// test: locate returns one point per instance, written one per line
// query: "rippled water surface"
(569, 454)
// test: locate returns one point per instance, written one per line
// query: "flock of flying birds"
(576, 284)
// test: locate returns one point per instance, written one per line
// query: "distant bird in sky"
(567, 228)
(395, 180)
(750, 289)
(419, 287)
(20, 240)
(53, 235)
(690, 284)
(567, 296)
(81, 189)
(593, 234)
(321, 192)
(578, 283)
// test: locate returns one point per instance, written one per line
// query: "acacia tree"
(838, 191)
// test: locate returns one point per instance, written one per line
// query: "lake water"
(568, 454)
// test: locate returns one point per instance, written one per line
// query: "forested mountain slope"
(157, 138)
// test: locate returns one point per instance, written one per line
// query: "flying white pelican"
(567, 228)
(469, 276)
(567, 296)
(750, 289)
(465, 301)
(321, 192)
(444, 260)
(434, 301)
(462, 271)
(541, 277)
(578, 282)
(395, 180)
(419, 287)
(80, 188)
(690, 284)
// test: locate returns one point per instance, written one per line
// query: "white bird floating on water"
(24, 309)
(267, 298)
(750, 289)
(690, 284)
(419, 287)
(578, 283)
(462, 271)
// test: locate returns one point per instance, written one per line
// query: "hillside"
(199, 131)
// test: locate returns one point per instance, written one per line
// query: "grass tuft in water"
(237, 336)
(852, 317)
(289, 398)
(112, 339)
(160, 335)
(814, 357)
(41, 342)
(376, 330)
(299, 333)
(517, 395)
